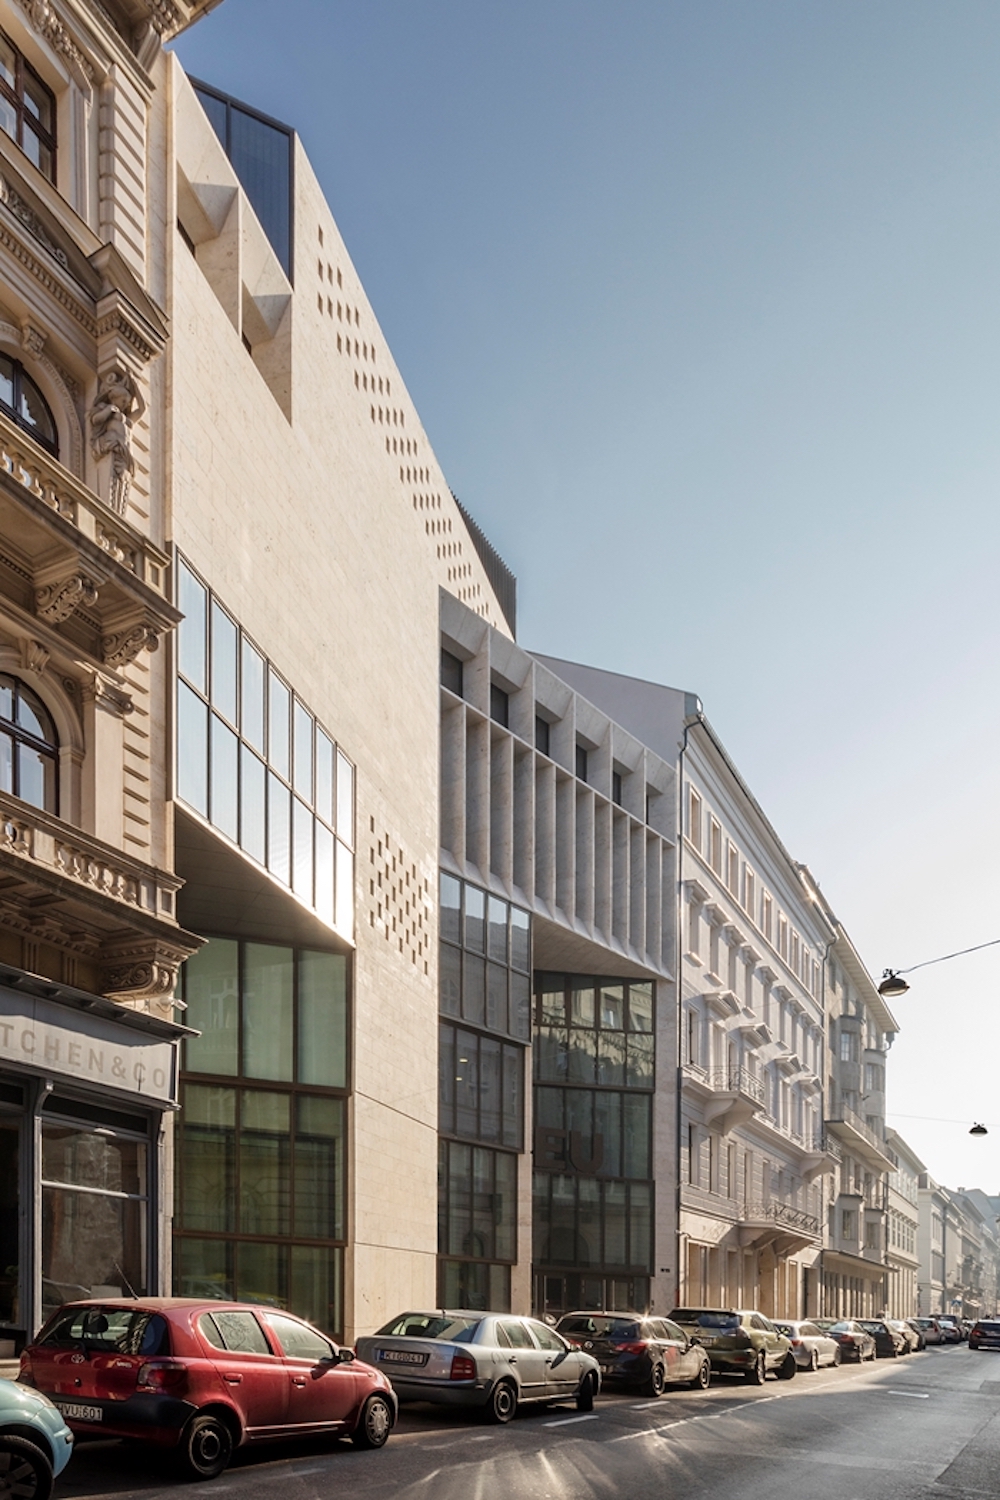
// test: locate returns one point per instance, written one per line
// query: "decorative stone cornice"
(56, 601)
(43, 18)
(141, 973)
(32, 221)
(107, 696)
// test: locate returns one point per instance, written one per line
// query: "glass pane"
(8, 61)
(459, 1197)
(262, 1274)
(496, 997)
(324, 872)
(323, 1019)
(8, 124)
(475, 919)
(498, 930)
(640, 1062)
(252, 819)
(482, 1205)
(264, 1157)
(581, 1006)
(505, 1206)
(345, 799)
(520, 945)
(303, 752)
(615, 1236)
(33, 716)
(224, 639)
(640, 1225)
(345, 890)
(211, 990)
(252, 696)
(611, 1057)
(450, 979)
(552, 1053)
(81, 1157)
(640, 1007)
(192, 750)
(279, 710)
(446, 1078)
(474, 989)
(37, 101)
(582, 1056)
(203, 1268)
(9, 1225)
(192, 600)
(207, 1160)
(224, 806)
(612, 1007)
(92, 1246)
(279, 813)
(489, 1090)
(466, 1084)
(520, 1006)
(36, 151)
(636, 1136)
(216, 111)
(36, 777)
(261, 157)
(315, 1286)
(302, 850)
(34, 412)
(267, 1011)
(7, 699)
(324, 776)
(513, 1096)
(6, 763)
(319, 1169)
(451, 909)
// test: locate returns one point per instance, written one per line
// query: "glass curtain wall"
(593, 1191)
(261, 1141)
(485, 962)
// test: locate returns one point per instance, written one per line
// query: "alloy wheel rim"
(378, 1421)
(18, 1478)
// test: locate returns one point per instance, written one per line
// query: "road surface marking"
(913, 1395)
(642, 1405)
(565, 1421)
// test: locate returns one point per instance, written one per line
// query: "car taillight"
(795, 1343)
(846, 1338)
(160, 1376)
(638, 1346)
(24, 1376)
(462, 1367)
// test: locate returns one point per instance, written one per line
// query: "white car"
(810, 1345)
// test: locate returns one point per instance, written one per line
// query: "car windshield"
(587, 1326)
(452, 1330)
(124, 1330)
(705, 1319)
(845, 1327)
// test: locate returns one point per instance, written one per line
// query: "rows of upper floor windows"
(453, 678)
(722, 855)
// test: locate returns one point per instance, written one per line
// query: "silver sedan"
(492, 1360)
(810, 1345)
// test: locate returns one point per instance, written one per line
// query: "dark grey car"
(496, 1361)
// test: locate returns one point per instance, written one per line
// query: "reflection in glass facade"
(485, 964)
(260, 1146)
(252, 759)
(262, 153)
(593, 1192)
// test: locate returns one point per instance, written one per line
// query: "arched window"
(24, 403)
(28, 746)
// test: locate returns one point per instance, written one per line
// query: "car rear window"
(987, 1327)
(787, 1330)
(599, 1328)
(871, 1327)
(429, 1326)
(846, 1327)
(121, 1330)
(705, 1319)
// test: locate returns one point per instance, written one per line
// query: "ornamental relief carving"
(123, 646)
(55, 602)
(43, 18)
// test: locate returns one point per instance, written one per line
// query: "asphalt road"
(925, 1425)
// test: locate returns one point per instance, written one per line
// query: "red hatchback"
(201, 1378)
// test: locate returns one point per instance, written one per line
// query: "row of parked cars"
(201, 1378)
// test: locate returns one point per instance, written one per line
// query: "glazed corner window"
(28, 746)
(27, 109)
(23, 402)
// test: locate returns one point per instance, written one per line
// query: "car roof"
(592, 1312)
(176, 1304)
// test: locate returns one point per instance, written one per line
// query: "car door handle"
(512, 1360)
(548, 1359)
(233, 1379)
(298, 1380)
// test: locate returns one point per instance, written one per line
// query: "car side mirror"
(692, 1341)
(345, 1356)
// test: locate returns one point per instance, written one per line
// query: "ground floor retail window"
(10, 1302)
(556, 1293)
(477, 1225)
(474, 1284)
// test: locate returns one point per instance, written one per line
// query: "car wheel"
(587, 1391)
(503, 1402)
(788, 1367)
(25, 1471)
(703, 1379)
(814, 1360)
(837, 1357)
(655, 1382)
(206, 1447)
(757, 1371)
(374, 1424)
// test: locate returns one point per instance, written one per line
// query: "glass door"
(10, 1287)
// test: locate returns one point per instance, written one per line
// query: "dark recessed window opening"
(542, 734)
(247, 344)
(616, 787)
(23, 403)
(499, 705)
(451, 672)
(581, 762)
(28, 746)
(27, 109)
(186, 237)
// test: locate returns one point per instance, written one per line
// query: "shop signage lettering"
(40, 1035)
(564, 1151)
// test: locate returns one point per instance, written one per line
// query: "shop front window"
(10, 1306)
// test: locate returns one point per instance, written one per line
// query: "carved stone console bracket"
(121, 647)
(56, 601)
(142, 972)
(106, 695)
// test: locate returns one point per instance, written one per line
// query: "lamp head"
(978, 1129)
(892, 986)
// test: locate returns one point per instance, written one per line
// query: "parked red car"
(202, 1378)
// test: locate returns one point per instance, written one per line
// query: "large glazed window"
(28, 746)
(262, 153)
(255, 762)
(23, 402)
(27, 109)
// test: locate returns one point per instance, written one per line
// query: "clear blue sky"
(699, 305)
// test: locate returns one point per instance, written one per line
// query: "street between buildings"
(926, 1425)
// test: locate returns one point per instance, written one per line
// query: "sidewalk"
(9, 1369)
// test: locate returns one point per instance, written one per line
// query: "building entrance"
(10, 1298)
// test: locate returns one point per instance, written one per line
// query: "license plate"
(401, 1357)
(78, 1413)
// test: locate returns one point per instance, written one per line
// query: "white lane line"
(565, 1421)
(913, 1395)
(644, 1405)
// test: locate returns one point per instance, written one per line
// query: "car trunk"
(413, 1359)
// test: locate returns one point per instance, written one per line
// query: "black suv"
(985, 1334)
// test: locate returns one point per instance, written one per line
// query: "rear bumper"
(154, 1418)
(732, 1359)
(444, 1392)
